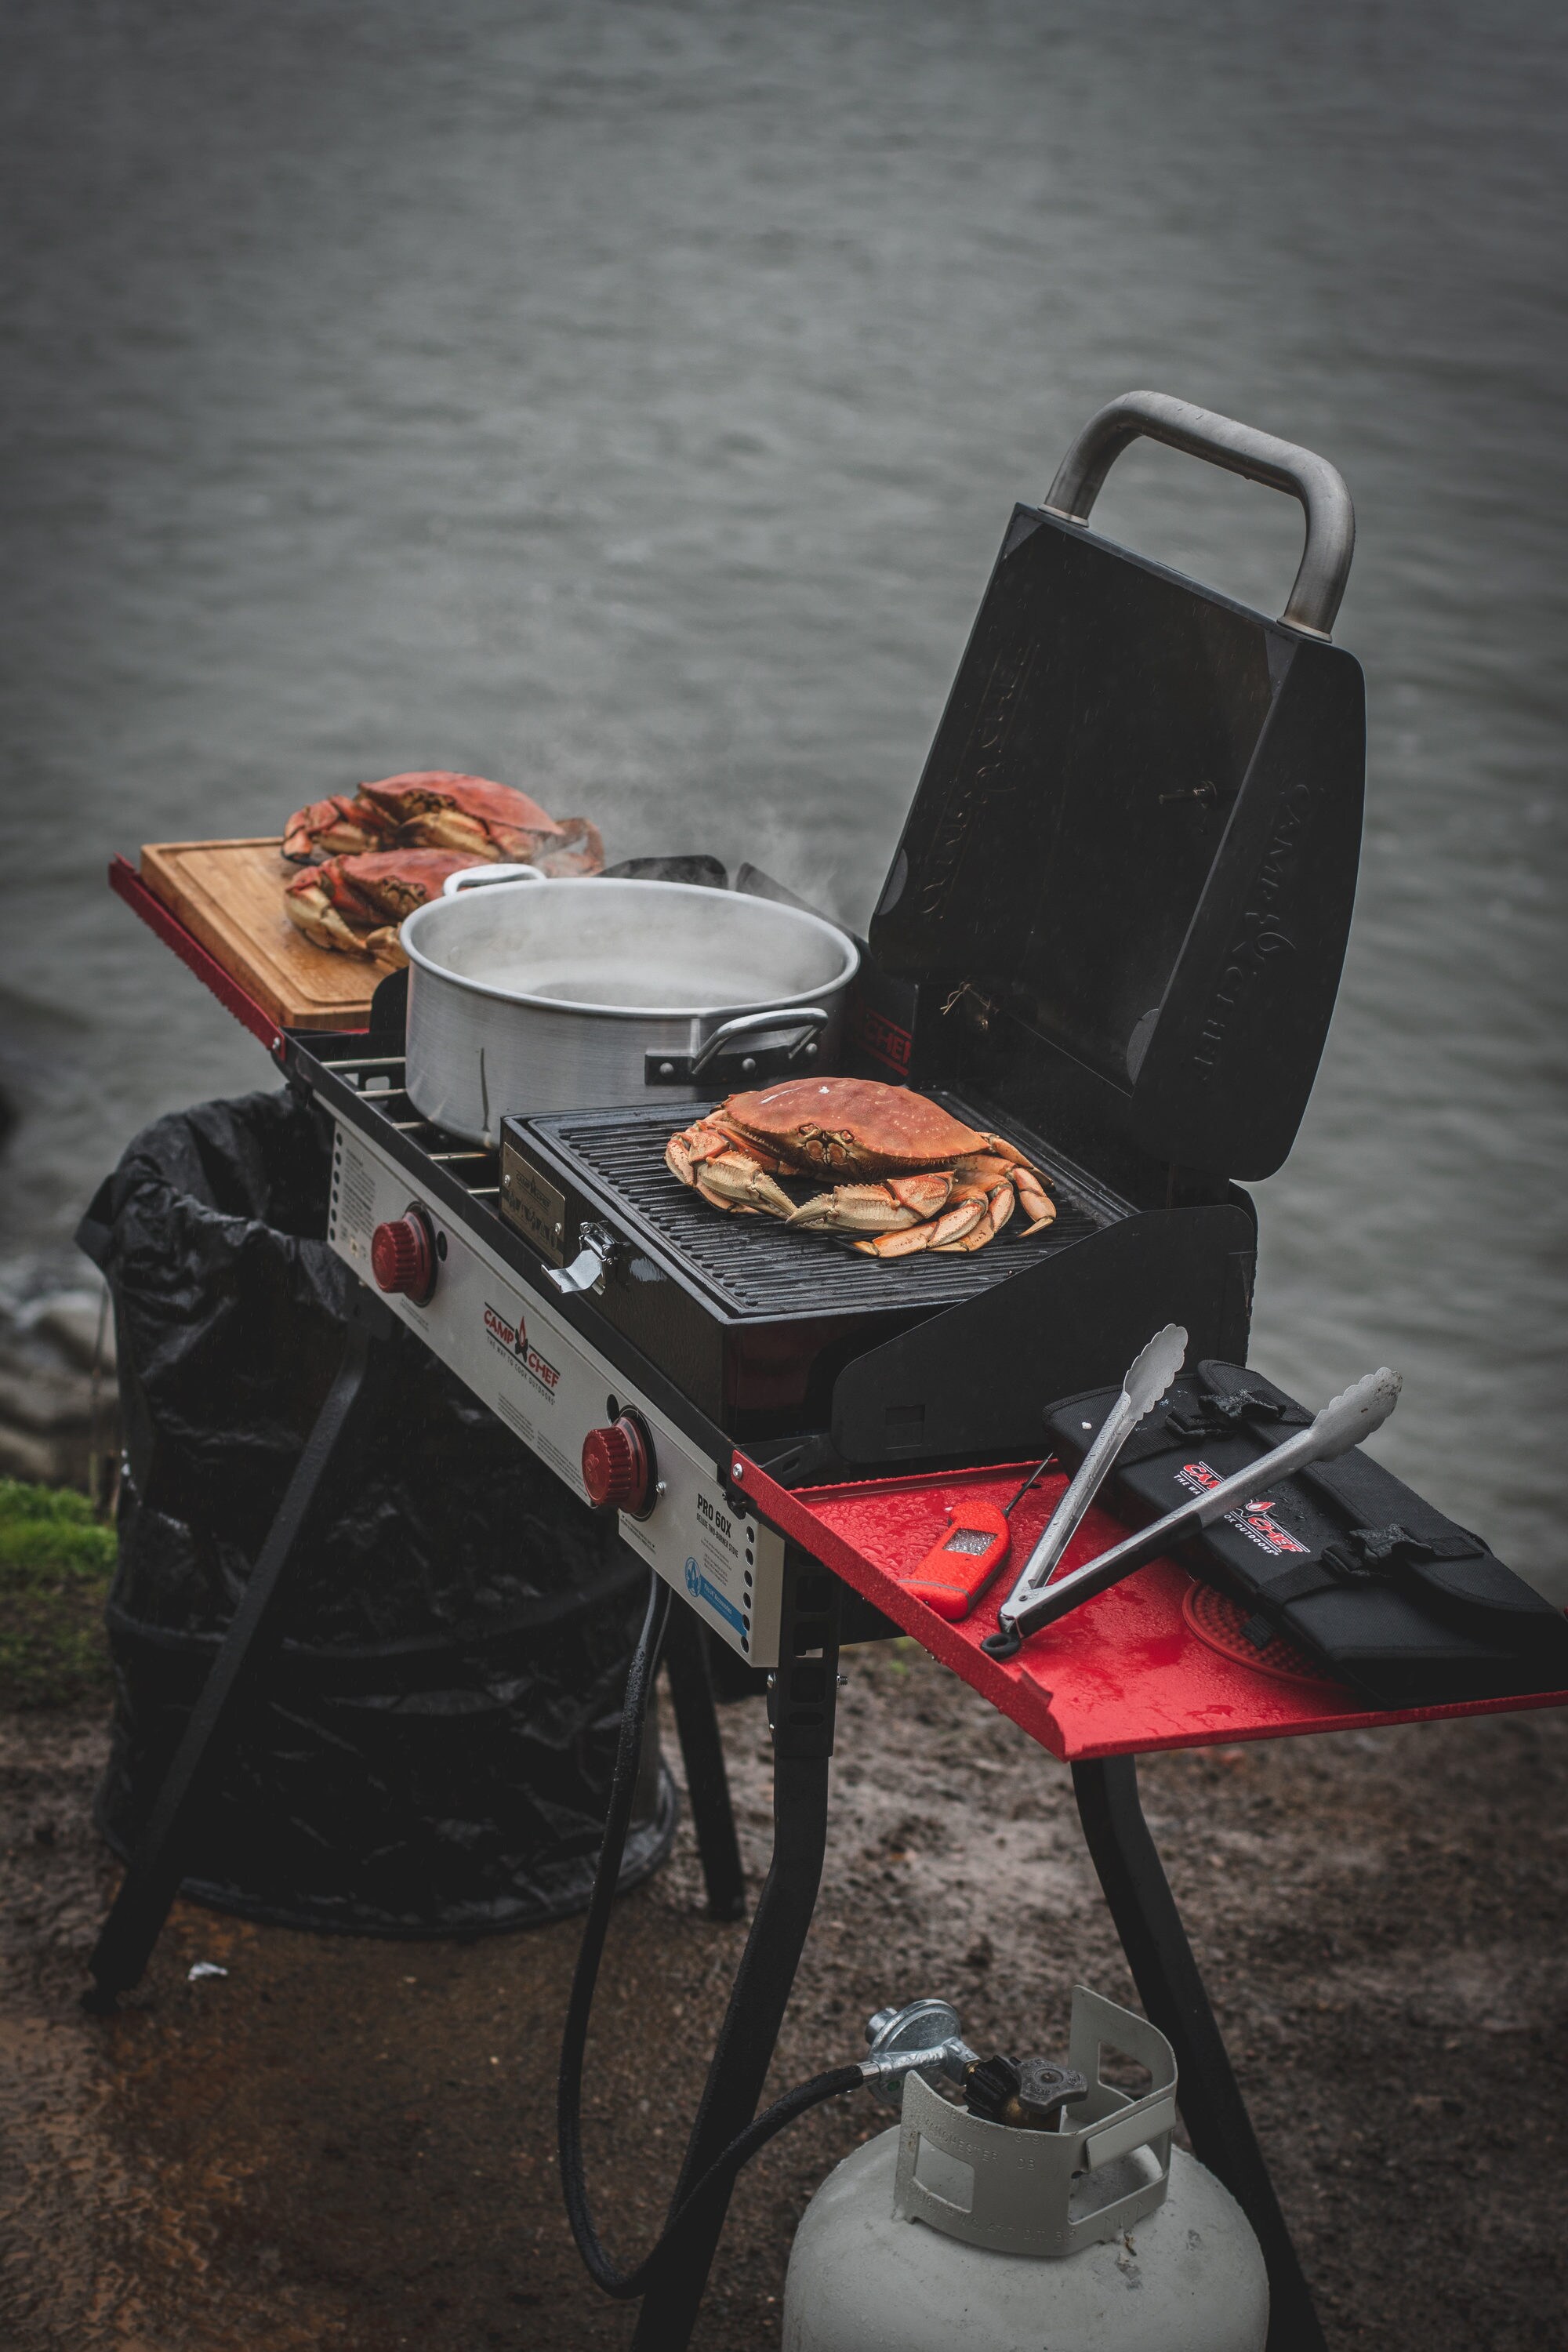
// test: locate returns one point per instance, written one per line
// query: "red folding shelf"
(1122, 1675)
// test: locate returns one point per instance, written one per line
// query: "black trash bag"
(432, 1750)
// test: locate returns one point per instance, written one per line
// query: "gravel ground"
(349, 2145)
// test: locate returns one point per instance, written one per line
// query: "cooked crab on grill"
(432, 808)
(944, 1186)
(355, 904)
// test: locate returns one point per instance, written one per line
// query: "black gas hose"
(722, 2173)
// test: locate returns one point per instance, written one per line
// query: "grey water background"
(627, 400)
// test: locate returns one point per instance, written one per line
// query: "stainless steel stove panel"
(551, 1387)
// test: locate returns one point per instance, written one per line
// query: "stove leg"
(1172, 1991)
(702, 1751)
(801, 1707)
(152, 1882)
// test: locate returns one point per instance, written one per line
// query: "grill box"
(1113, 930)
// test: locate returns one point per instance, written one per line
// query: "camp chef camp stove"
(1112, 929)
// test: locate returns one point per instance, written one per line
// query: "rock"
(45, 1402)
(50, 1430)
(33, 1458)
(70, 1321)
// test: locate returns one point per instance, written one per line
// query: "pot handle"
(472, 877)
(1240, 449)
(808, 1018)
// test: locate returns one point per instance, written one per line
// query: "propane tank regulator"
(1050, 2205)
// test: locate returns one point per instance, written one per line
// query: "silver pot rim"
(417, 956)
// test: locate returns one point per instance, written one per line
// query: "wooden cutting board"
(229, 894)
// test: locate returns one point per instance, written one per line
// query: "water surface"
(628, 400)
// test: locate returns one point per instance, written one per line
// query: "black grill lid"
(1135, 842)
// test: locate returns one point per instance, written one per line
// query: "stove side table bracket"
(1165, 1972)
(148, 1890)
(702, 1753)
(803, 1696)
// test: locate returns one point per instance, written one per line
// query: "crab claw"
(310, 909)
(731, 1181)
(854, 1209)
(337, 826)
(356, 903)
(1036, 1205)
(887, 1208)
(705, 1138)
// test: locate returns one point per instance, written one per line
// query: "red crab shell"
(355, 904)
(384, 885)
(335, 825)
(853, 1123)
(425, 793)
(436, 808)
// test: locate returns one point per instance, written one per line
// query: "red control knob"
(403, 1256)
(618, 1467)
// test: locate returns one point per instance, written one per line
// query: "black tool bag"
(1342, 1559)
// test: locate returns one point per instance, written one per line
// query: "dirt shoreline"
(349, 2144)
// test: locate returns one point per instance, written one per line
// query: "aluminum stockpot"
(528, 994)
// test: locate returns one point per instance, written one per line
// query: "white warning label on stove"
(353, 1200)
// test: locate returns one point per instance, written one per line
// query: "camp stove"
(1112, 931)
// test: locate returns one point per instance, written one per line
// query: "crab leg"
(1035, 1201)
(969, 1209)
(332, 826)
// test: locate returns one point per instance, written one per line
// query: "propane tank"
(1052, 2210)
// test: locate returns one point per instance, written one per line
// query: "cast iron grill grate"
(755, 1267)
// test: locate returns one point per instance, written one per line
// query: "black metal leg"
(1172, 1991)
(152, 1882)
(707, 1782)
(802, 1701)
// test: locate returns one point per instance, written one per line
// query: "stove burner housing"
(775, 1334)
(1112, 931)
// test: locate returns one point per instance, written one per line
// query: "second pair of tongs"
(1356, 1413)
(1148, 1377)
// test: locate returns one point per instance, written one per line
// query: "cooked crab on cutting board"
(229, 896)
(307, 924)
(370, 860)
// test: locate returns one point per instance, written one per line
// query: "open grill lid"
(1134, 848)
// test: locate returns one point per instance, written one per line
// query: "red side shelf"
(127, 884)
(1122, 1675)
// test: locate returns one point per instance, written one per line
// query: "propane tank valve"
(1028, 2094)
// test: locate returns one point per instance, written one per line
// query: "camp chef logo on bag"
(1255, 1520)
(513, 1339)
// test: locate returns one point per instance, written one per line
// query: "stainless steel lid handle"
(807, 1018)
(1240, 449)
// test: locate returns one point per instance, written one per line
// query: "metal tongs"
(1149, 1376)
(1344, 1423)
